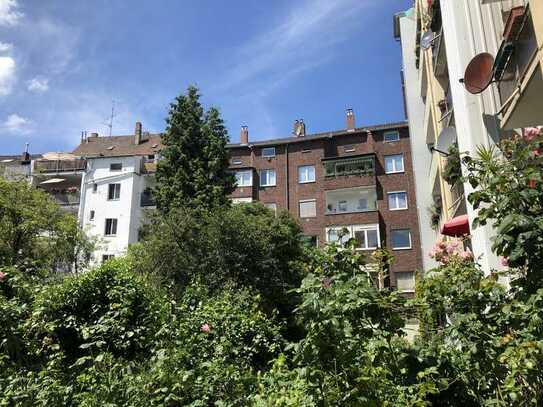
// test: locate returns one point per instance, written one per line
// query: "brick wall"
(292, 153)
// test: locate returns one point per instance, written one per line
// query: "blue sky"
(263, 63)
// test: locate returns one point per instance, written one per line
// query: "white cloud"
(38, 85)
(5, 46)
(16, 124)
(9, 14)
(7, 75)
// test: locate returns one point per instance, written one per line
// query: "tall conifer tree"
(193, 171)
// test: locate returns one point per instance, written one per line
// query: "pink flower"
(205, 328)
(450, 248)
(531, 133)
(537, 152)
(2, 276)
(466, 255)
(504, 262)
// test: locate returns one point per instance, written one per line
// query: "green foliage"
(510, 196)
(452, 172)
(243, 245)
(35, 229)
(194, 169)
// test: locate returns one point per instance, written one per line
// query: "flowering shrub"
(449, 251)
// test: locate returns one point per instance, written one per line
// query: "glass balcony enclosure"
(362, 166)
(351, 200)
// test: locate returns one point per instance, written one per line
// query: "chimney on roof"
(138, 134)
(299, 128)
(244, 135)
(26, 156)
(350, 119)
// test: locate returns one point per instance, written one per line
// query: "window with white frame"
(306, 173)
(272, 206)
(391, 136)
(401, 239)
(394, 163)
(106, 257)
(113, 192)
(241, 200)
(244, 178)
(111, 227)
(268, 152)
(405, 281)
(267, 178)
(397, 200)
(366, 236)
(308, 208)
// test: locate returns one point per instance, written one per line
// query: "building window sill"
(402, 248)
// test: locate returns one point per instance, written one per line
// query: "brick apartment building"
(360, 179)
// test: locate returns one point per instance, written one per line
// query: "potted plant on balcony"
(452, 172)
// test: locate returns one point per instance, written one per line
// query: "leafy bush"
(245, 246)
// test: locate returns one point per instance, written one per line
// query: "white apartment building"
(439, 39)
(115, 189)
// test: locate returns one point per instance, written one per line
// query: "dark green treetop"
(194, 169)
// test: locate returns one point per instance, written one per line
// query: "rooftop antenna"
(109, 123)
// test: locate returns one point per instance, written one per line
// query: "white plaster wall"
(125, 210)
(421, 156)
(470, 28)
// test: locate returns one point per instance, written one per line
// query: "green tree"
(33, 228)
(194, 169)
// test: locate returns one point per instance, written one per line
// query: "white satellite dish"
(427, 39)
(445, 140)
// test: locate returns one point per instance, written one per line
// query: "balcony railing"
(351, 200)
(53, 166)
(147, 199)
(361, 166)
(515, 65)
(66, 199)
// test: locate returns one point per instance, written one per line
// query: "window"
(111, 227)
(106, 257)
(306, 173)
(349, 149)
(401, 239)
(241, 200)
(236, 161)
(363, 166)
(309, 240)
(350, 200)
(268, 152)
(271, 206)
(405, 281)
(397, 201)
(115, 166)
(267, 178)
(394, 163)
(91, 215)
(114, 192)
(308, 208)
(367, 236)
(244, 178)
(94, 187)
(391, 136)
(151, 157)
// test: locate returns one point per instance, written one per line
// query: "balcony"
(516, 55)
(66, 198)
(56, 166)
(351, 200)
(353, 166)
(147, 199)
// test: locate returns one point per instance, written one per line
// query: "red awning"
(458, 226)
